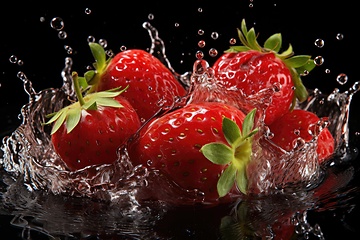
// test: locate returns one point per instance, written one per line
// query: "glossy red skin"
(97, 136)
(149, 80)
(253, 71)
(286, 127)
(172, 142)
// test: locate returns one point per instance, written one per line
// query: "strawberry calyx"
(298, 65)
(92, 77)
(70, 115)
(237, 154)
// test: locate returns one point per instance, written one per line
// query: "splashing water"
(29, 159)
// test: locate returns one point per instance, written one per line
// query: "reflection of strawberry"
(89, 131)
(301, 124)
(252, 68)
(179, 143)
(151, 84)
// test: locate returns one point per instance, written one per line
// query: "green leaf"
(237, 49)
(248, 123)
(59, 122)
(73, 118)
(287, 53)
(297, 61)
(241, 178)
(82, 82)
(108, 102)
(100, 56)
(217, 153)
(231, 130)
(274, 42)
(251, 39)
(226, 180)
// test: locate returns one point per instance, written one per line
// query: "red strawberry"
(300, 123)
(180, 144)
(151, 84)
(252, 68)
(89, 131)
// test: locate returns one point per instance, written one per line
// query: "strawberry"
(305, 125)
(251, 69)
(152, 85)
(90, 131)
(180, 144)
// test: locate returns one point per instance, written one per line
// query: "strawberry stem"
(77, 88)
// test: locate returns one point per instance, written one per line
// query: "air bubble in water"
(151, 16)
(327, 70)
(13, 59)
(87, 11)
(339, 36)
(62, 34)
(199, 55)
(319, 43)
(200, 9)
(20, 62)
(342, 78)
(319, 60)
(68, 49)
(201, 43)
(177, 24)
(122, 48)
(57, 23)
(103, 43)
(214, 35)
(232, 41)
(91, 39)
(42, 19)
(213, 52)
(201, 32)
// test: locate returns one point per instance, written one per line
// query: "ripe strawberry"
(180, 144)
(152, 85)
(302, 124)
(252, 68)
(89, 132)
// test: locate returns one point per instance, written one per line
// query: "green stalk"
(77, 88)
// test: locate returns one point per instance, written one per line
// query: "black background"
(301, 22)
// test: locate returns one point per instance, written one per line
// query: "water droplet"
(339, 36)
(91, 39)
(201, 43)
(13, 59)
(122, 48)
(62, 34)
(342, 78)
(103, 43)
(201, 32)
(177, 24)
(214, 35)
(319, 60)
(213, 52)
(68, 49)
(57, 23)
(200, 66)
(319, 43)
(20, 62)
(200, 9)
(199, 55)
(232, 41)
(251, 5)
(87, 11)
(151, 16)
(327, 70)
(109, 53)
(42, 19)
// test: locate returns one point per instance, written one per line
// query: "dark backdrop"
(24, 35)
